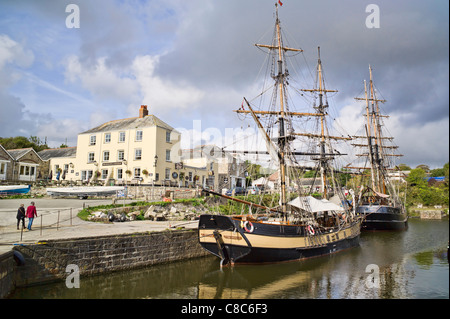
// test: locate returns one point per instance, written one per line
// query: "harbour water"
(408, 264)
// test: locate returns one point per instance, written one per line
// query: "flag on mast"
(281, 3)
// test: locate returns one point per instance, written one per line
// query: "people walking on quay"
(31, 214)
(21, 216)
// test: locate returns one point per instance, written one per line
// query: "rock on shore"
(175, 211)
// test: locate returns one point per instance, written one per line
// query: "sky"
(192, 62)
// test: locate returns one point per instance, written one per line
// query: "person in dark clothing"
(21, 216)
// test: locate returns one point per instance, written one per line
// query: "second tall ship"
(378, 201)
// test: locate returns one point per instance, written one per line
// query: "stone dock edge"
(44, 262)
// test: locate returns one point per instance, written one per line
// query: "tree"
(18, 142)
(403, 167)
(417, 177)
(437, 172)
(426, 168)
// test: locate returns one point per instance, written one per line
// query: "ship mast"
(376, 149)
(322, 110)
(280, 79)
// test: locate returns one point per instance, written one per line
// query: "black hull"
(276, 255)
(382, 218)
(236, 245)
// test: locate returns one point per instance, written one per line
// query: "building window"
(92, 140)
(104, 173)
(137, 172)
(137, 154)
(139, 136)
(3, 170)
(190, 176)
(105, 156)
(27, 171)
(168, 155)
(119, 173)
(168, 136)
(107, 137)
(91, 157)
(86, 175)
(121, 137)
(120, 155)
(167, 173)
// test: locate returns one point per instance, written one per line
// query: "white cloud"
(421, 143)
(101, 81)
(13, 52)
(132, 85)
(57, 131)
(162, 94)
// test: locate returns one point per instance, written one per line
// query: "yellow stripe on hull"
(282, 242)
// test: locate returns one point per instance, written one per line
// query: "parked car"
(253, 190)
(236, 191)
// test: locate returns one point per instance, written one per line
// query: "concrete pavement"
(59, 221)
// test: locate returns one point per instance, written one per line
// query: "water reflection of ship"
(243, 283)
(314, 278)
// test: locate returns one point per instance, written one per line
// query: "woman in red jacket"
(31, 214)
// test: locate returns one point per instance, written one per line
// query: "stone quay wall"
(47, 261)
(432, 214)
(7, 269)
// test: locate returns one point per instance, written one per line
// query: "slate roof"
(130, 123)
(18, 153)
(58, 152)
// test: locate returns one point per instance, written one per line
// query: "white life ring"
(248, 230)
(311, 230)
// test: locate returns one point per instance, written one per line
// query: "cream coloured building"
(140, 150)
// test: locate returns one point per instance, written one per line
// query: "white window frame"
(122, 136)
(119, 172)
(3, 170)
(167, 174)
(120, 158)
(139, 135)
(107, 138)
(93, 140)
(136, 150)
(106, 156)
(104, 174)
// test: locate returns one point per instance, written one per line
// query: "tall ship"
(378, 200)
(297, 225)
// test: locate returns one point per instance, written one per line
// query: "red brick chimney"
(143, 111)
